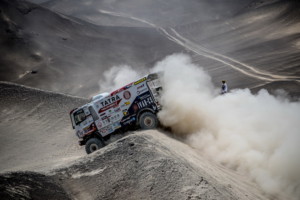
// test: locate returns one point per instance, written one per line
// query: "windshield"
(79, 116)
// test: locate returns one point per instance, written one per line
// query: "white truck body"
(120, 108)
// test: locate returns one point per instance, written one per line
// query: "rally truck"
(133, 105)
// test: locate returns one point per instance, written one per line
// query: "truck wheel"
(148, 120)
(93, 144)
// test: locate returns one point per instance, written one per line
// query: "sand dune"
(145, 165)
(35, 128)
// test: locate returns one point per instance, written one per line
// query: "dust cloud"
(257, 134)
(254, 134)
(118, 76)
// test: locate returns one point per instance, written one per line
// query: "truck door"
(83, 121)
(95, 117)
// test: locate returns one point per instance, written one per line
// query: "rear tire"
(148, 120)
(93, 144)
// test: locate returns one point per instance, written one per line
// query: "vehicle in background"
(134, 105)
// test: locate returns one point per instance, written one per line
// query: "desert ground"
(57, 54)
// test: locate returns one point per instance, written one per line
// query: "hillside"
(145, 165)
(250, 44)
(226, 41)
(159, 12)
(262, 42)
(35, 128)
(69, 54)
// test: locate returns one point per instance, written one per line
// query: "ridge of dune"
(144, 165)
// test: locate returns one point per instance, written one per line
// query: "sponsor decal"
(140, 81)
(144, 96)
(121, 89)
(125, 112)
(110, 100)
(142, 91)
(146, 102)
(89, 129)
(128, 86)
(127, 95)
(103, 130)
(127, 103)
(110, 103)
(107, 129)
(105, 117)
(118, 109)
(106, 122)
(99, 124)
(115, 117)
(141, 86)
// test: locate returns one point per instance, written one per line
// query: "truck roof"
(100, 96)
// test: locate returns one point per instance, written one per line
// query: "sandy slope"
(145, 165)
(70, 54)
(35, 131)
(160, 12)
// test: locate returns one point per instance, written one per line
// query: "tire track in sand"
(245, 67)
(174, 36)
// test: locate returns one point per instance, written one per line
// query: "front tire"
(93, 144)
(148, 120)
